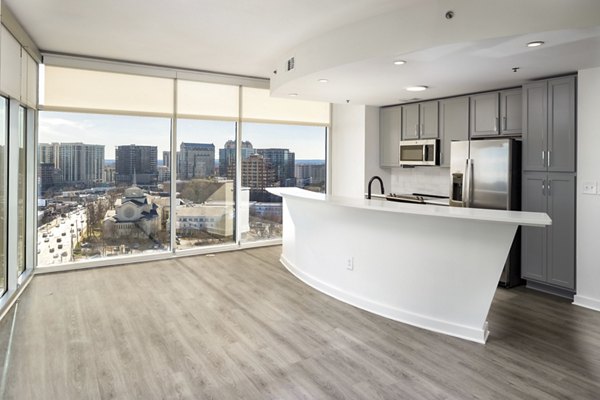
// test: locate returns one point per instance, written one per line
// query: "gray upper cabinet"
(561, 125)
(410, 122)
(535, 132)
(548, 254)
(389, 136)
(454, 125)
(549, 125)
(496, 113)
(429, 120)
(420, 121)
(484, 114)
(511, 108)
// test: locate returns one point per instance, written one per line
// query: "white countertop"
(515, 217)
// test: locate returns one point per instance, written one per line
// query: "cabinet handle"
(543, 188)
(549, 189)
(504, 123)
(549, 152)
(417, 130)
(543, 157)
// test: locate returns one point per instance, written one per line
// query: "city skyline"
(308, 142)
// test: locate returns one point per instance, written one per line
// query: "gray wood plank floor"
(239, 326)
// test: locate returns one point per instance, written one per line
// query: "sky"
(308, 142)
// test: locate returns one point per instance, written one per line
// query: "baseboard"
(473, 334)
(542, 287)
(587, 302)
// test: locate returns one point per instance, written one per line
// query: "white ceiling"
(244, 37)
(256, 37)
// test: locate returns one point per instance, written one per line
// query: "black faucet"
(380, 184)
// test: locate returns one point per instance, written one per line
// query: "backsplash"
(427, 180)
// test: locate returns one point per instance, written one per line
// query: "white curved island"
(430, 266)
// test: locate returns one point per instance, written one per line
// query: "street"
(56, 239)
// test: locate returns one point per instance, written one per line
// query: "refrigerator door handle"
(470, 183)
(467, 183)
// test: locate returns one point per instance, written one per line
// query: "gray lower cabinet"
(548, 254)
(454, 125)
(389, 136)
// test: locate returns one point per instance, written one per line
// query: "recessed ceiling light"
(419, 88)
(293, 94)
(535, 44)
(399, 62)
(323, 80)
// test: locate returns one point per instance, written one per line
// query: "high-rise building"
(310, 174)
(283, 162)
(227, 156)
(257, 173)
(138, 160)
(79, 163)
(197, 160)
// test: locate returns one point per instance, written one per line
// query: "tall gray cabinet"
(549, 150)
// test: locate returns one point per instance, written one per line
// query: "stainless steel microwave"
(419, 152)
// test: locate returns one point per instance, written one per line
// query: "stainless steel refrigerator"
(487, 174)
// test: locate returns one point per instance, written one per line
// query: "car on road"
(55, 256)
(58, 240)
(60, 246)
(51, 249)
(64, 254)
(44, 235)
(64, 234)
(46, 240)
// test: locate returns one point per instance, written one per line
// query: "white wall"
(588, 206)
(354, 153)
(347, 142)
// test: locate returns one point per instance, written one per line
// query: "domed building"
(134, 215)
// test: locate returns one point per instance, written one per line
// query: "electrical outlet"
(350, 263)
(590, 187)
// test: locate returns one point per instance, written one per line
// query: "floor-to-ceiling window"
(141, 164)
(103, 191)
(3, 191)
(205, 207)
(281, 156)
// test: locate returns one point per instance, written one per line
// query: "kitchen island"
(429, 266)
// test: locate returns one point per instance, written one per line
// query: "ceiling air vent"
(290, 64)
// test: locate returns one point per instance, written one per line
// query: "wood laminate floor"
(239, 326)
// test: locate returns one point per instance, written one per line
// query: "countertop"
(515, 217)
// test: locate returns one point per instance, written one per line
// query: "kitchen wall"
(347, 150)
(588, 206)
(427, 180)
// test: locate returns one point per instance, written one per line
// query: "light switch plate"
(590, 187)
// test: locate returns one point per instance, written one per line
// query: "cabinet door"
(484, 114)
(389, 136)
(533, 240)
(561, 124)
(511, 112)
(454, 125)
(429, 118)
(410, 122)
(535, 122)
(561, 234)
